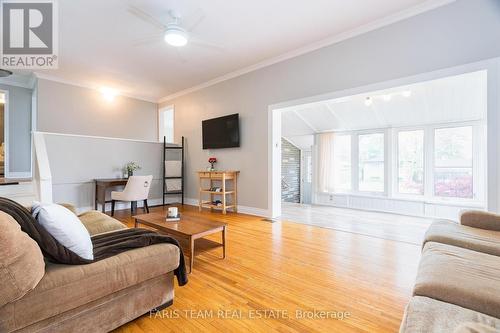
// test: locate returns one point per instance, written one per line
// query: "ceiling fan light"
(176, 36)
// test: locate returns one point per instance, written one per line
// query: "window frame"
(161, 130)
(478, 161)
(351, 138)
(391, 158)
(384, 132)
(395, 161)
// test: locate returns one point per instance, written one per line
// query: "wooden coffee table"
(186, 231)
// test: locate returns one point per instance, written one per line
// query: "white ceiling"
(303, 142)
(103, 44)
(452, 99)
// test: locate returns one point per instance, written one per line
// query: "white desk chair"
(137, 189)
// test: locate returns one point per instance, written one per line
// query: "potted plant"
(131, 167)
(212, 161)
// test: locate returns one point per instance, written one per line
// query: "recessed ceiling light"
(108, 93)
(387, 97)
(368, 101)
(406, 93)
(176, 36)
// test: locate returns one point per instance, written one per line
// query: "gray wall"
(463, 32)
(290, 172)
(64, 108)
(19, 128)
(75, 161)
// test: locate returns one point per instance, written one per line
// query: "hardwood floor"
(275, 267)
(382, 225)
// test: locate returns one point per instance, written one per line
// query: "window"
(411, 162)
(432, 162)
(166, 124)
(371, 162)
(342, 162)
(453, 162)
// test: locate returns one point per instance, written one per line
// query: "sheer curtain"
(325, 178)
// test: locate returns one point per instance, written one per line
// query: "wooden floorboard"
(389, 226)
(289, 267)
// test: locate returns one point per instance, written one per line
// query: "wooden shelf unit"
(166, 191)
(215, 177)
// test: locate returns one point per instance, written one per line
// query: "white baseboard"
(419, 208)
(188, 201)
(126, 205)
(241, 209)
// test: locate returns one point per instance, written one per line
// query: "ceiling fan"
(174, 32)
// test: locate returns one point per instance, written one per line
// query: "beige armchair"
(137, 189)
(480, 219)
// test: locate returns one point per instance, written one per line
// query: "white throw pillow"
(66, 227)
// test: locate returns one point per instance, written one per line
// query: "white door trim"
(6, 133)
(274, 158)
(493, 121)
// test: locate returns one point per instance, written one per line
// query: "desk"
(101, 185)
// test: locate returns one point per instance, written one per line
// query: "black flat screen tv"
(222, 132)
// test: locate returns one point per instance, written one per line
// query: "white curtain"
(325, 177)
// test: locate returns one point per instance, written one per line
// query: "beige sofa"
(458, 282)
(38, 296)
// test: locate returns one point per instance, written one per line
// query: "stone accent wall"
(290, 172)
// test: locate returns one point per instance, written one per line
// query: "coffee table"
(186, 231)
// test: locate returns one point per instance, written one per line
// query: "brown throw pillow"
(21, 261)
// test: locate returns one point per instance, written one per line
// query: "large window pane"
(342, 163)
(166, 125)
(453, 162)
(371, 162)
(411, 162)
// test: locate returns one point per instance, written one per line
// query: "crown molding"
(57, 79)
(19, 81)
(402, 15)
(97, 137)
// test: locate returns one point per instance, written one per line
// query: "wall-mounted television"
(222, 132)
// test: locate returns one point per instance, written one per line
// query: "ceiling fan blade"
(152, 39)
(194, 19)
(206, 44)
(146, 17)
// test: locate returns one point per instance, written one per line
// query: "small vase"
(130, 173)
(212, 167)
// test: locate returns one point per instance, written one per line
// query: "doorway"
(382, 99)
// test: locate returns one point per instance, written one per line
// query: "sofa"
(457, 288)
(40, 296)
